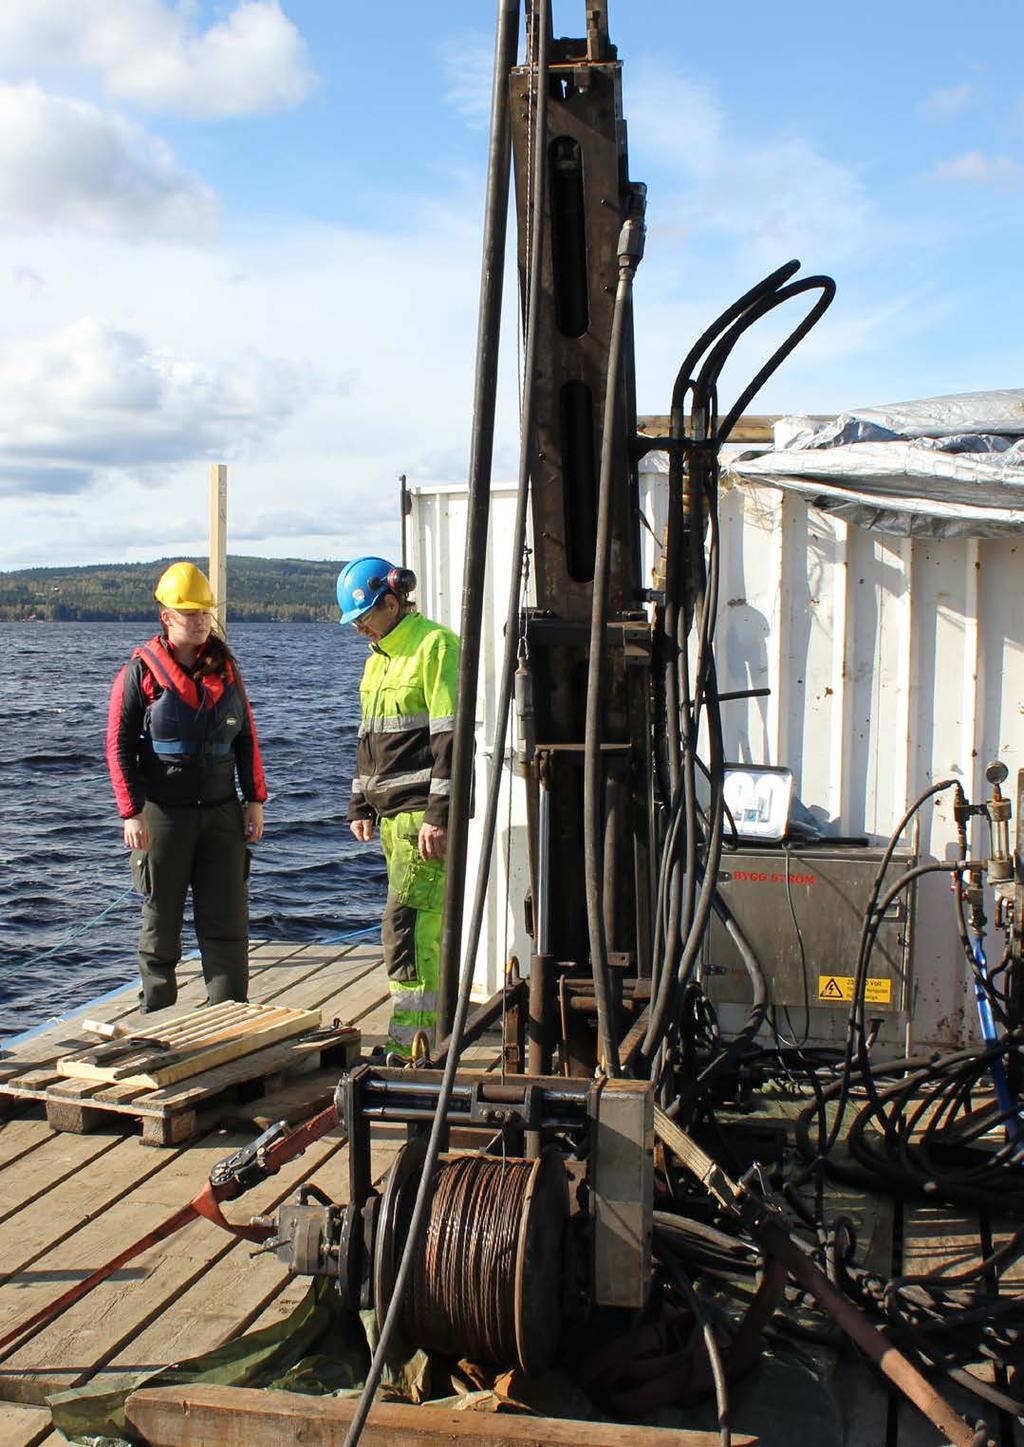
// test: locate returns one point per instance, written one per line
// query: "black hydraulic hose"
(481, 455)
(675, 622)
(827, 287)
(759, 985)
(672, 979)
(496, 217)
(690, 583)
(894, 1166)
(872, 924)
(770, 283)
(678, 931)
(678, 1275)
(855, 1019)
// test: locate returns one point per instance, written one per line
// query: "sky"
(248, 232)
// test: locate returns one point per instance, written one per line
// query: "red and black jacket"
(176, 738)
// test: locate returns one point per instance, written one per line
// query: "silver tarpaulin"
(940, 467)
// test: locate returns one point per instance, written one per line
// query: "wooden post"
(219, 542)
(405, 508)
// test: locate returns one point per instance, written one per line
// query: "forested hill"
(285, 590)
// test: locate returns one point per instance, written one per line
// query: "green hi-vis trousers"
(411, 930)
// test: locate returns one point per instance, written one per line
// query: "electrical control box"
(801, 908)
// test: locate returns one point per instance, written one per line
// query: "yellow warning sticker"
(877, 991)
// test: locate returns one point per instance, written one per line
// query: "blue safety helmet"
(361, 584)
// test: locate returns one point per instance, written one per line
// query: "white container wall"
(892, 663)
(437, 542)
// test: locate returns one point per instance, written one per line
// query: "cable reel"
(488, 1283)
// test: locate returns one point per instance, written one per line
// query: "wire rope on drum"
(462, 1298)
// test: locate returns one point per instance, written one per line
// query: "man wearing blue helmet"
(403, 776)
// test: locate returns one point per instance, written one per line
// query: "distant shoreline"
(259, 590)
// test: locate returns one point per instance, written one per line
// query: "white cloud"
(974, 168)
(467, 66)
(676, 121)
(789, 200)
(946, 103)
(157, 55)
(772, 198)
(91, 400)
(68, 164)
(257, 350)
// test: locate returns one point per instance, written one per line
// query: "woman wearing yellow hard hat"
(179, 731)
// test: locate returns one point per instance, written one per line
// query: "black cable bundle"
(691, 837)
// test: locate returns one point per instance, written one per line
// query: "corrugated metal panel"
(892, 663)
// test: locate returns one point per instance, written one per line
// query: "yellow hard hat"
(184, 587)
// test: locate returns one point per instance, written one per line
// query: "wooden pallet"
(172, 1114)
(188, 1044)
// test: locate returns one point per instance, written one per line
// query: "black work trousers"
(202, 848)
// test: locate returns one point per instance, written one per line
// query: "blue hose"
(1009, 1108)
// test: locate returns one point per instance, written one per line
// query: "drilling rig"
(520, 1214)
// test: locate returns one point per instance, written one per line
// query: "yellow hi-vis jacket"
(407, 699)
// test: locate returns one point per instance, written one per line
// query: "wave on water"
(61, 761)
(64, 862)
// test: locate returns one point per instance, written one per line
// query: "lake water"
(62, 860)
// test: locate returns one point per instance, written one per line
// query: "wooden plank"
(91, 1213)
(330, 970)
(45, 1046)
(22, 1426)
(85, 1197)
(266, 965)
(329, 983)
(241, 1417)
(57, 1159)
(235, 1291)
(19, 1138)
(239, 1034)
(31, 1084)
(298, 1099)
(274, 969)
(95, 1330)
(354, 1001)
(198, 1089)
(295, 1101)
(750, 427)
(173, 1114)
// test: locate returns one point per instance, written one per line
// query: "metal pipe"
(889, 1360)
(455, 990)
(631, 246)
(483, 1016)
(537, 1051)
(451, 940)
(543, 861)
(481, 455)
(613, 847)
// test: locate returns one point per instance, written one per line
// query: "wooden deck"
(69, 1202)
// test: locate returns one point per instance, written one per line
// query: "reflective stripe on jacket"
(407, 701)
